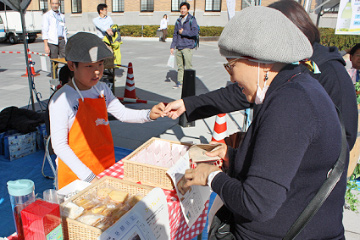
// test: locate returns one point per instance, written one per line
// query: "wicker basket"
(75, 230)
(145, 173)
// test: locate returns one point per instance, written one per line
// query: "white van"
(11, 28)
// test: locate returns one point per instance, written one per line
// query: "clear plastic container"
(21, 195)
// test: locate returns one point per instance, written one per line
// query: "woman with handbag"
(292, 144)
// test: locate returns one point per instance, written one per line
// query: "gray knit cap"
(265, 34)
(86, 47)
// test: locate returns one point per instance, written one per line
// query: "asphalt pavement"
(153, 82)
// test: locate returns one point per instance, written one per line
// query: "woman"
(293, 141)
(163, 27)
(333, 77)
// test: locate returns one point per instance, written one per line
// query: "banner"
(230, 4)
(17, 5)
(348, 20)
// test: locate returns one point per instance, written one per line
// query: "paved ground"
(153, 81)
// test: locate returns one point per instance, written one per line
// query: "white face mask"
(260, 93)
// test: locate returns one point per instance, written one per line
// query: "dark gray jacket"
(188, 36)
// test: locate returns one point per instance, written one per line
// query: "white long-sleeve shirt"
(63, 108)
(51, 23)
(164, 23)
(102, 24)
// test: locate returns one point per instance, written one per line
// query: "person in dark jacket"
(185, 31)
(292, 143)
(333, 77)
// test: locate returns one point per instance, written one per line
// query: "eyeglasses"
(229, 65)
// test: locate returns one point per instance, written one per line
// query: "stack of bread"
(102, 208)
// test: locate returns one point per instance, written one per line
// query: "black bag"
(221, 225)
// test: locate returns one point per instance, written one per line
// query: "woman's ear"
(71, 65)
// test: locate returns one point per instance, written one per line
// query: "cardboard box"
(41, 220)
(18, 145)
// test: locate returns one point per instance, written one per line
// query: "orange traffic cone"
(33, 73)
(130, 84)
(220, 128)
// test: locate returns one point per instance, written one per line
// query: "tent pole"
(30, 77)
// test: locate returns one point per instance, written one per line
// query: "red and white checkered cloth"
(178, 226)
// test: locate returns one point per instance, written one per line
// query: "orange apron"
(90, 139)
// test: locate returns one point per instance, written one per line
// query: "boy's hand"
(175, 109)
(157, 111)
(110, 32)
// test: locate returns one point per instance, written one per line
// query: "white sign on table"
(147, 220)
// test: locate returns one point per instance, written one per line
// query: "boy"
(80, 131)
(355, 60)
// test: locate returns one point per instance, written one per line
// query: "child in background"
(80, 131)
(355, 61)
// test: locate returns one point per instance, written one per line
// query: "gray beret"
(265, 34)
(86, 47)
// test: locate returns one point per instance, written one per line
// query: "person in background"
(103, 22)
(163, 27)
(79, 125)
(355, 61)
(54, 31)
(185, 32)
(292, 143)
(65, 75)
(333, 78)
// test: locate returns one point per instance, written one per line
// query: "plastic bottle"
(21, 195)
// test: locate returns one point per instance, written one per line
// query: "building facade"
(79, 13)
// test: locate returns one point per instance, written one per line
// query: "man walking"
(185, 32)
(103, 22)
(54, 31)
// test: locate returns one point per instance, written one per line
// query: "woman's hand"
(157, 111)
(198, 175)
(174, 109)
(220, 152)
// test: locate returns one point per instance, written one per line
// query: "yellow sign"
(348, 21)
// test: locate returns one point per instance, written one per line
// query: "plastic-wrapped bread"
(134, 200)
(90, 219)
(103, 192)
(118, 196)
(87, 204)
(71, 210)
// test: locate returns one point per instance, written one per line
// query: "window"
(333, 9)
(248, 3)
(62, 6)
(118, 6)
(212, 5)
(43, 5)
(76, 6)
(175, 5)
(147, 6)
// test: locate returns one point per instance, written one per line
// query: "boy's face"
(184, 11)
(103, 12)
(355, 59)
(87, 75)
